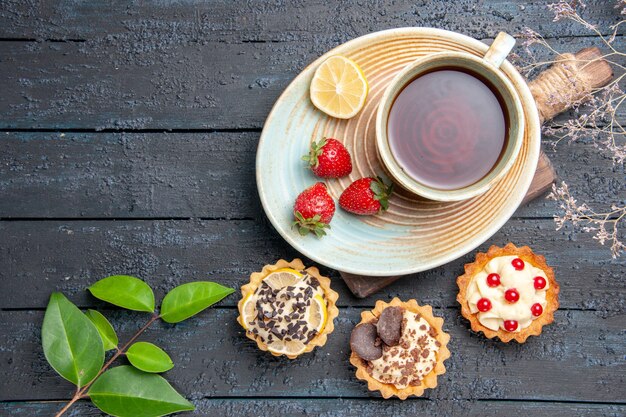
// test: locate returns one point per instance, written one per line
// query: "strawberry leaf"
(381, 192)
(377, 189)
(314, 153)
(312, 225)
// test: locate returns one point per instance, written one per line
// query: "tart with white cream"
(287, 309)
(509, 293)
(399, 348)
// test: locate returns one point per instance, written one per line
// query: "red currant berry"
(483, 305)
(518, 264)
(510, 325)
(540, 283)
(536, 309)
(493, 280)
(511, 295)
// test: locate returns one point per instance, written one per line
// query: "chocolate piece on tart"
(364, 341)
(390, 325)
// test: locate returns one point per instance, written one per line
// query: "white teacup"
(486, 67)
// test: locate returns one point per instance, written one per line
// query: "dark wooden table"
(128, 138)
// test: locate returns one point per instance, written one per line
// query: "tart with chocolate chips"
(399, 348)
(287, 309)
(509, 293)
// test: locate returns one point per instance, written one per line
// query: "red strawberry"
(328, 158)
(313, 210)
(366, 196)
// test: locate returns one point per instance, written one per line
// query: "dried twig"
(599, 123)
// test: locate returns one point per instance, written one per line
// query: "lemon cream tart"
(508, 292)
(286, 309)
(399, 348)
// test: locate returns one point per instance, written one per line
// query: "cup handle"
(499, 49)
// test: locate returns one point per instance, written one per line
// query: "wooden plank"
(545, 175)
(128, 175)
(212, 175)
(259, 20)
(580, 358)
(41, 257)
(195, 85)
(347, 407)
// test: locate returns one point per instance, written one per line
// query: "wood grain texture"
(558, 365)
(346, 407)
(48, 256)
(128, 175)
(211, 175)
(194, 65)
(543, 179)
(277, 21)
(363, 286)
(157, 82)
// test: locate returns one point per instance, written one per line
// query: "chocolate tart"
(429, 379)
(323, 287)
(547, 292)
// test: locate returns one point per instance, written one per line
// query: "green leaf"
(149, 358)
(127, 392)
(71, 342)
(124, 291)
(377, 189)
(107, 333)
(189, 299)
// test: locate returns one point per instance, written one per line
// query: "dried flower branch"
(596, 121)
(599, 122)
(588, 220)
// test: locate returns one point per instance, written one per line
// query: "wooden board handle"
(571, 79)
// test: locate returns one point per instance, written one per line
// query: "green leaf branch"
(74, 343)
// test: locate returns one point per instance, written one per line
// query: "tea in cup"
(450, 125)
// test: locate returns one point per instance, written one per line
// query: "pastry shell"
(331, 303)
(527, 255)
(430, 380)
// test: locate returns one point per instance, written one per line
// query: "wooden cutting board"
(572, 78)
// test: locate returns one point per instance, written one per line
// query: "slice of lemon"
(339, 87)
(293, 347)
(318, 313)
(248, 311)
(282, 277)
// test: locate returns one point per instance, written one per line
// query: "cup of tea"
(451, 124)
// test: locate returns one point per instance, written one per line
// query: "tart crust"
(527, 255)
(331, 299)
(430, 379)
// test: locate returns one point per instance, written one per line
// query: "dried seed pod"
(390, 325)
(363, 342)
